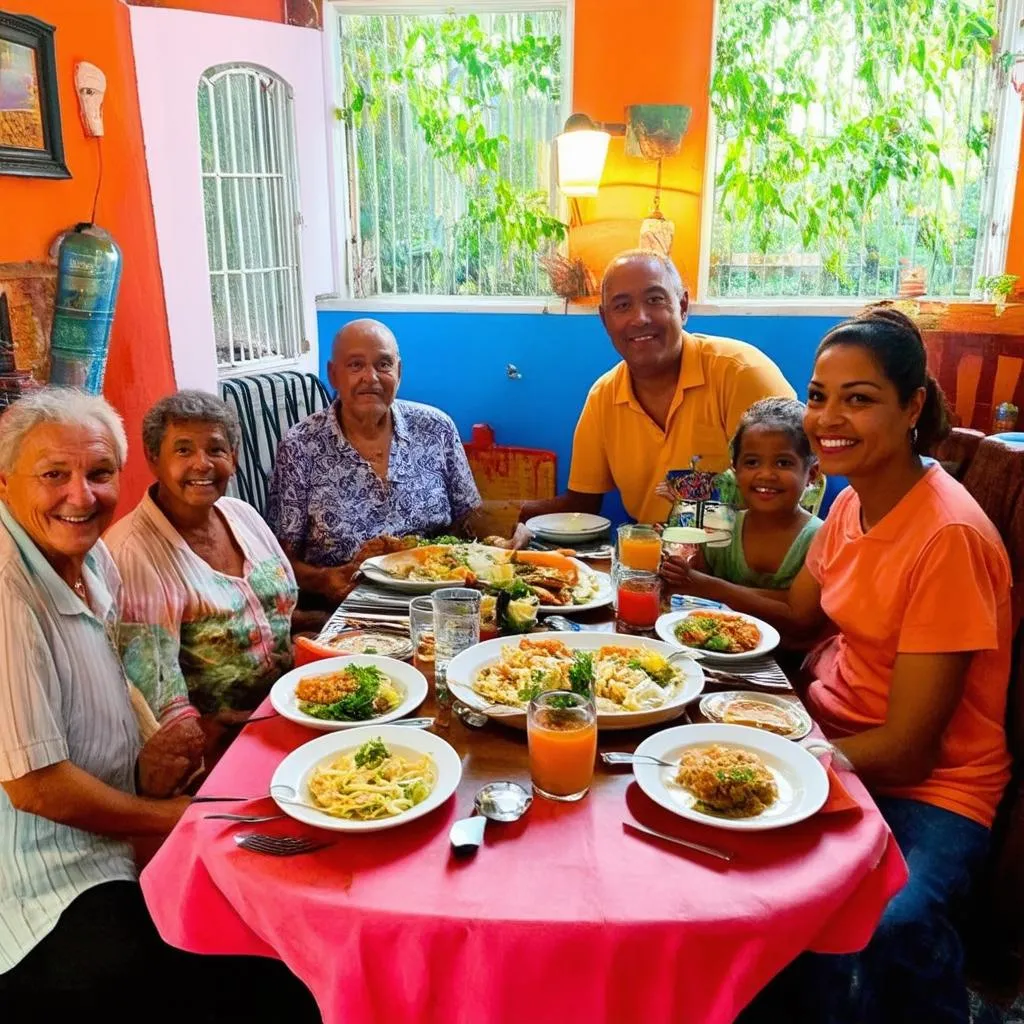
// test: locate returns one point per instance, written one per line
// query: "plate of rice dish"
(718, 635)
(759, 711)
(630, 677)
(348, 691)
(732, 776)
(367, 779)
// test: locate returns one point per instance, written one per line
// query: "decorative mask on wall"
(90, 84)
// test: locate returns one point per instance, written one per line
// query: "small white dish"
(713, 707)
(406, 678)
(294, 771)
(464, 668)
(800, 777)
(665, 627)
(569, 527)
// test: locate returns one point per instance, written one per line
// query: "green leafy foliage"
(371, 754)
(452, 74)
(857, 130)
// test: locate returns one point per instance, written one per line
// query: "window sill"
(840, 307)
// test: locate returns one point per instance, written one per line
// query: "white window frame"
(991, 258)
(346, 217)
(289, 235)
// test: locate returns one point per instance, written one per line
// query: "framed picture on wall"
(30, 139)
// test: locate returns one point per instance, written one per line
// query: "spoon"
(560, 622)
(621, 757)
(498, 801)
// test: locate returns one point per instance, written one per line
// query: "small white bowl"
(405, 677)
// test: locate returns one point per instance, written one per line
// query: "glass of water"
(456, 628)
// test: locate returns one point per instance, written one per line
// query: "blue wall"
(457, 362)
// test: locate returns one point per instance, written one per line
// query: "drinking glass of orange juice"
(639, 547)
(561, 733)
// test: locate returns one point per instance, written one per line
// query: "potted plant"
(997, 289)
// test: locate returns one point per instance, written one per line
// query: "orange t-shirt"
(931, 578)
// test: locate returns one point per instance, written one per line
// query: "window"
(250, 196)
(855, 139)
(449, 117)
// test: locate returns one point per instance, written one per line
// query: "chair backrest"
(994, 474)
(268, 406)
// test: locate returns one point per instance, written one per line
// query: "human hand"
(676, 572)
(171, 757)
(339, 581)
(664, 491)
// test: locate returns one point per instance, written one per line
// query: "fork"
(278, 846)
(621, 757)
(251, 819)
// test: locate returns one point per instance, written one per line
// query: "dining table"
(564, 915)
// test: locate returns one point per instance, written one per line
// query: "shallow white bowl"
(665, 628)
(802, 781)
(465, 667)
(294, 771)
(407, 679)
(569, 526)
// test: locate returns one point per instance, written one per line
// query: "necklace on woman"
(79, 587)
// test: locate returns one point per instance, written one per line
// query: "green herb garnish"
(527, 693)
(371, 754)
(581, 673)
(562, 701)
(355, 706)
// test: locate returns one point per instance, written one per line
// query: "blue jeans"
(912, 969)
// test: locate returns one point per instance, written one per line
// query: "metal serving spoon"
(497, 801)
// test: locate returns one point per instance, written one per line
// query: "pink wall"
(172, 49)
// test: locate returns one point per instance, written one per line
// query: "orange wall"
(663, 56)
(262, 10)
(139, 370)
(1015, 250)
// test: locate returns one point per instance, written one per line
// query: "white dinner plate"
(569, 527)
(294, 772)
(665, 628)
(802, 781)
(407, 679)
(713, 706)
(464, 668)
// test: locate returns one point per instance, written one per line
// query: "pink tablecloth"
(561, 917)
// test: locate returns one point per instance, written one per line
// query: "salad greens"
(372, 753)
(355, 706)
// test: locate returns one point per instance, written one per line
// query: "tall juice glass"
(637, 599)
(456, 628)
(561, 733)
(639, 547)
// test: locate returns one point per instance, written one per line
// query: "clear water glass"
(456, 629)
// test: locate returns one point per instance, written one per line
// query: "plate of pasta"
(718, 635)
(348, 691)
(631, 679)
(367, 779)
(732, 776)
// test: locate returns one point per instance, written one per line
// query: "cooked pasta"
(621, 678)
(372, 783)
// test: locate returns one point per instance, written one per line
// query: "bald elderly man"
(368, 466)
(675, 396)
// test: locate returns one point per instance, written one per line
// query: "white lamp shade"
(581, 154)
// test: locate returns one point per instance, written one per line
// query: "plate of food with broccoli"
(356, 689)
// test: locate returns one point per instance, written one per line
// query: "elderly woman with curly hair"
(208, 592)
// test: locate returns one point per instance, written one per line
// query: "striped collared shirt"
(63, 697)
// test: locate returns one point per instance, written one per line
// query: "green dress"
(729, 563)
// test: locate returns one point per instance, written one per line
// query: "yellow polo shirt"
(617, 445)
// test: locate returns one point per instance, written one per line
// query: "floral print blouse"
(193, 637)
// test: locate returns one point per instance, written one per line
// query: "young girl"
(773, 464)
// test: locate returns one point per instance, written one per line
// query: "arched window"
(250, 197)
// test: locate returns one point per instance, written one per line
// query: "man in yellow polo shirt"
(675, 396)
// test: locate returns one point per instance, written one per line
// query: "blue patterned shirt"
(326, 499)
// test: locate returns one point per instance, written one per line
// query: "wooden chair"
(995, 477)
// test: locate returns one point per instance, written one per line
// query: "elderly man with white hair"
(370, 466)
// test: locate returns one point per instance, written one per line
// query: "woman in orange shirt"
(912, 689)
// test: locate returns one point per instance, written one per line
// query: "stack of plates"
(569, 527)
